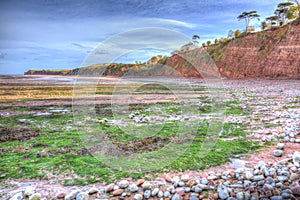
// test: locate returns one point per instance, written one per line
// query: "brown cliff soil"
(266, 54)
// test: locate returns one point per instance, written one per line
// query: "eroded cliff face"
(268, 54)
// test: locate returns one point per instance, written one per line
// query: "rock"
(295, 188)
(154, 192)
(61, 195)
(93, 190)
(138, 197)
(18, 196)
(118, 192)
(167, 194)
(35, 196)
(191, 183)
(185, 177)
(123, 184)
(146, 185)
(110, 187)
(223, 194)
(276, 198)
(72, 195)
(82, 196)
(160, 194)
(280, 146)
(140, 182)
(278, 153)
(248, 175)
(168, 178)
(296, 157)
(147, 194)
(204, 181)
(282, 178)
(29, 191)
(258, 178)
(187, 189)
(294, 177)
(133, 188)
(177, 197)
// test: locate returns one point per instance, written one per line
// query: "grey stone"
(123, 184)
(187, 189)
(167, 194)
(177, 197)
(278, 153)
(280, 146)
(146, 185)
(147, 194)
(133, 188)
(258, 178)
(82, 196)
(282, 178)
(35, 196)
(154, 191)
(204, 181)
(223, 194)
(276, 198)
(72, 195)
(138, 197)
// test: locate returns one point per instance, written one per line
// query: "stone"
(185, 177)
(168, 178)
(295, 188)
(82, 196)
(296, 157)
(35, 196)
(29, 191)
(146, 185)
(140, 182)
(154, 192)
(17, 196)
(280, 146)
(167, 194)
(138, 197)
(276, 198)
(110, 187)
(294, 177)
(72, 195)
(160, 194)
(61, 195)
(123, 184)
(118, 192)
(93, 190)
(177, 197)
(147, 194)
(282, 178)
(133, 188)
(278, 153)
(223, 194)
(187, 189)
(258, 178)
(191, 183)
(204, 181)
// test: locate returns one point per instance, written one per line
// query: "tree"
(264, 25)
(208, 43)
(217, 41)
(195, 39)
(230, 34)
(237, 33)
(203, 44)
(283, 11)
(297, 2)
(273, 20)
(248, 16)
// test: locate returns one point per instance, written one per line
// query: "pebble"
(146, 185)
(93, 190)
(177, 197)
(133, 188)
(147, 194)
(82, 196)
(72, 195)
(258, 178)
(280, 146)
(278, 153)
(118, 192)
(138, 197)
(123, 184)
(36, 196)
(223, 194)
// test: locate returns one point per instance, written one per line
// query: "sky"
(60, 34)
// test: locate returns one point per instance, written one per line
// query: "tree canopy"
(248, 16)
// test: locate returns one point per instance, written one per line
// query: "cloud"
(2, 55)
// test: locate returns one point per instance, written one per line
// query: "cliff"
(266, 54)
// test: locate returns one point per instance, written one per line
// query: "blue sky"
(59, 34)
